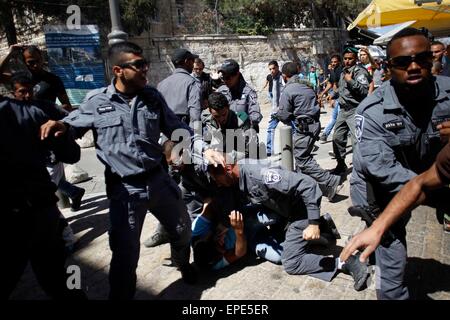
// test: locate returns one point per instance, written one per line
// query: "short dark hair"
(32, 49)
(437, 43)
(407, 32)
(205, 253)
(437, 65)
(273, 63)
(216, 170)
(117, 49)
(290, 69)
(21, 78)
(217, 101)
(200, 61)
(336, 56)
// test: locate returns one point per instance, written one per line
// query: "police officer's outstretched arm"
(61, 141)
(410, 196)
(82, 119)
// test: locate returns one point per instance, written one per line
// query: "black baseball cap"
(182, 54)
(229, 66)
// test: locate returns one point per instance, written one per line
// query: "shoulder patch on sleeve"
(359, 126)
(362, 79)
(271, 176)
(253, 97)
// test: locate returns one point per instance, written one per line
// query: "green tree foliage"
(262, 16)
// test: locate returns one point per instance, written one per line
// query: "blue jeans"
(332, 122)
(273, 123)
(262, 241)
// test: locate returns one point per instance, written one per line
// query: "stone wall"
(310, 46)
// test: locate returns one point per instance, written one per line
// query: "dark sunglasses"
(32, 62)
(227, 77)
(403, 62)
(136, 64)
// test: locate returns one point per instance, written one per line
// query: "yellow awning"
(435, 17)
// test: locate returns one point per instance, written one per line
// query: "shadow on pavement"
(97, 203)
(179, 290)
(91, 220)
(425, 276)
(94, 283)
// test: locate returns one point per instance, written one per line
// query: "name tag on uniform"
(393, 125)
(105, 109)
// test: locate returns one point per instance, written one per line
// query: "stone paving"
(250, 279)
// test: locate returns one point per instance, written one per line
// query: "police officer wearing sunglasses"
(127, 118)
(397, 138)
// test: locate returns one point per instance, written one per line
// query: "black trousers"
(34, 234)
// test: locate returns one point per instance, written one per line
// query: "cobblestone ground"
(251, 279)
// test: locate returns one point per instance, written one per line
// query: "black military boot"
(327, 225)
(358, 270)
(158, 238)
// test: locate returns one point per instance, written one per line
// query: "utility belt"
(136, 179)
(302, 123)
(369, 215)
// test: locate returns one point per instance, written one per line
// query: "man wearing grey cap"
(181, 91)
(243, 99)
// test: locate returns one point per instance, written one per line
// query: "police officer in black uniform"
(30, 217)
